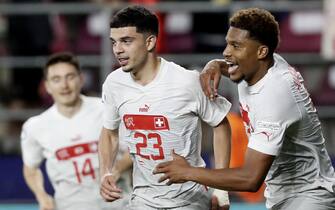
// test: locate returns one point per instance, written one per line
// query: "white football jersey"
(157, 118)
(70, 147)
(281, 120)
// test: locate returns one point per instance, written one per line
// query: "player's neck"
(148, 71)
(263, 68)
(69, 110)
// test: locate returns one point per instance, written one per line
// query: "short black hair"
(261, 25)
(63, 57)
(144, 20)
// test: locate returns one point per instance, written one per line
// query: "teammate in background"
(286, 145)
(66, 135)
(155, 106)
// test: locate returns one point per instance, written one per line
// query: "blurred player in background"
(286, 146)
(155, 106)
(66, 135)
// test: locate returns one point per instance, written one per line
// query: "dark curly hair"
(261, 25)
(144, 20)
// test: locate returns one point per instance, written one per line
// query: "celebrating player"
(66, 135)
(286, 145)
(155, 106)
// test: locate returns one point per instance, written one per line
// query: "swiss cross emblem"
(159, 122)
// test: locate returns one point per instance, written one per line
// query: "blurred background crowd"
(192, 32)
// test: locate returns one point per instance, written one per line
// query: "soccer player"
(286, 146)
(66, 135)
(155, 106)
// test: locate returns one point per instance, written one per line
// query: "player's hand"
(175, 171)
(210, 78)
(215, 204)
(108, 189)
(45, 202)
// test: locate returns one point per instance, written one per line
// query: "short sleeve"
(212, 112)
(32, 151)
(267, 137)
(111, 118)
(272, 121)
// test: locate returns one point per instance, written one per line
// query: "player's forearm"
(34, 179)
(249, 177)
(236, 179)
(124, 163)
(222, 144)
(108, 148)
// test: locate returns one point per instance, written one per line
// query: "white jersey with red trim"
(70, 147)
(281, 121)
(157, 118)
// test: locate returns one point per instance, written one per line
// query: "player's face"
(242, 54)
(130, 48)
(64, 84)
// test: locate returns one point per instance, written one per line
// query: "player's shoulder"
(276, 93)
(117, 75)
(173, 67)
(282, 77)
(92, 104)
(37, 121)
(92, 100)
(177, 72)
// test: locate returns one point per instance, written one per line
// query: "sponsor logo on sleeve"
(267, 128)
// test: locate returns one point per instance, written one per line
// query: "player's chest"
(69, 135)
(158, 100)
(250, 110)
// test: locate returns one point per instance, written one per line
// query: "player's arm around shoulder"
(210, 77)
(108, 148)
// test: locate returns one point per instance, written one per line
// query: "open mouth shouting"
(232, 67)
(123, 61)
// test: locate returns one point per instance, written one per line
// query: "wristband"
(104, 176)
(223, 197)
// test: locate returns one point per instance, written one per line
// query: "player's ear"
(151, 42)
(262, 51)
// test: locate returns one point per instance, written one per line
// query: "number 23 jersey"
(157, 118)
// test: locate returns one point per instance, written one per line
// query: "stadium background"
(192, 32)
